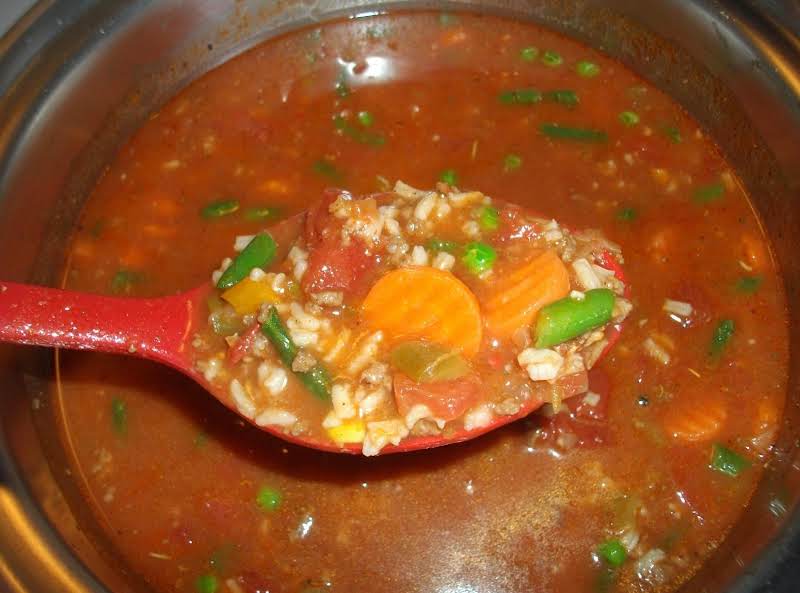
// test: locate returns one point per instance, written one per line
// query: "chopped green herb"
(562, 97)
(360, 136)
(674, 134)
(442, 245)
(206, 583)
(449, 177)
(551, 58)
(258, 253)
(268, 499)
(629, 118)
(559, 132)
(520, 97)
(587, 69)
(727, 461)
(627, 214)
(119, 415)
(200, 439)
(365, 118)
(97, 228)
(613, 552)
(219, 209)
(749, 284)
(529, 54)
(489, 218)
(722, 336)
(327, 169)
(447, 20)
(479, 257)
(708, 193)
(220, 557)
(262, 213)
(512, 162)
(123, 281)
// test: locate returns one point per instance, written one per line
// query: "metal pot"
(76, 78)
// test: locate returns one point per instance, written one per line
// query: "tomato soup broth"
(627, 488)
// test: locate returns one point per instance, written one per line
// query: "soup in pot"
(625, 480)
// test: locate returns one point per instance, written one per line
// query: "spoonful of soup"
(393, 322)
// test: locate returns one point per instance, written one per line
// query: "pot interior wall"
(81, 78)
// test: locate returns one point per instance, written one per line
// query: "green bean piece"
(727, 461)
(627, 214)
(722, 337)
(569, 317)
(479, 257)
(489, 218)
(263, 213)
(749, 284)
(119, 416)
(674, 134)
(219, 209)
(365, 118)
(268, 499)
(425, 362)
(559, 132)
(206, 583)
(613, 552)
(708, 193)
(512, 162)
(629, 118)
(552, 58)
(587, 69)
(562, 97)
(435, 244)
(278, 335)
(259, 253)
(449, 176)
(520, 97)
(317, 380)
(327, 169)
(529, 54)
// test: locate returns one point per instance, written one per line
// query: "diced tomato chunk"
(243, 344)
(514, 226)
(318, 219)
(336, 267)
(447, 400)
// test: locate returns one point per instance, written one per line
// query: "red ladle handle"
(150, 328)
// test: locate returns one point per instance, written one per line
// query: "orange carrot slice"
(695, 419)
(518, 296)
(421, 302)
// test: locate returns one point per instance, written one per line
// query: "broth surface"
(195, 500)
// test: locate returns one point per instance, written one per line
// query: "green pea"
(587, 69)
(629, 118)
(552, 58)
(365, 118)
(512, 162)
(529, 54)
(613, 552)
(489, 218)
(206, 583)
(479, 257)
(268, 499)
(449, 177)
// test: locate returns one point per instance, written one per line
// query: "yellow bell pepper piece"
(352, 431)
(248, 295)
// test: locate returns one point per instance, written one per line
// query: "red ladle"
(162, 329)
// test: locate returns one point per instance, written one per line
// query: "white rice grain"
(425, 206)
(275, 417)
(409, 192)
(680, 308)
(379, 434)
(366, 354)
(273, 378)
(471, 229)
(342, 400)
(656, 351)
(540, 363)
(587, 278)
(419, 257)
(244, 404)
(242, 241)
(444, 261)
(478, 417)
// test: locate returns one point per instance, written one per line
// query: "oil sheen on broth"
(628, 495)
